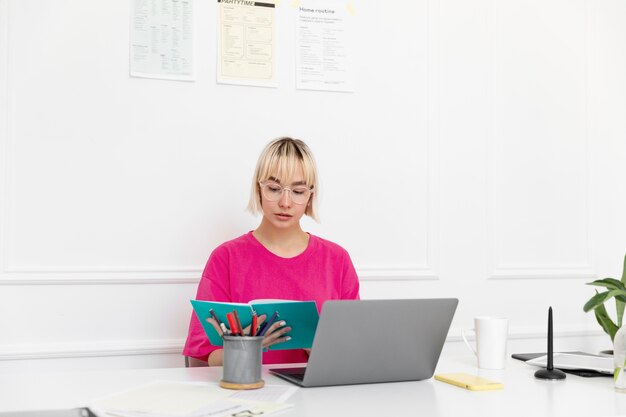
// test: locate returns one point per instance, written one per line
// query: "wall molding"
(120, 276)
(558, 272)
(396, 273)
(533, 333)
(4, 125)
(68, 275)
(99, 276)
(27, 351)
(530, 272)
(90, 349)
(145, 275)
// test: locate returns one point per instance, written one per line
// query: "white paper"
(164, 397)
(323, 47)
(221, 408)
(161, 39)
(190, 399)
(246, 44)
(269, 393)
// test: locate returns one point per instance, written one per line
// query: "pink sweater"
(242, 269)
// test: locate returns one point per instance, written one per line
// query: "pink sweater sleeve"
(350, 280)
(213, 286)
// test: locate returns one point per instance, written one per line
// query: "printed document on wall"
(245, 43)
(161, 39)
(323, 47)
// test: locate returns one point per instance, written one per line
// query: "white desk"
(523, 395)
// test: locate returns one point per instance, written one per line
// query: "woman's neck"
(285, 243)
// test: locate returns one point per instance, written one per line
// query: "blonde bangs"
(285, 166)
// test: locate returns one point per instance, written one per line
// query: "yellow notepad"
(470, 382)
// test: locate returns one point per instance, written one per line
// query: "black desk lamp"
(550, 373)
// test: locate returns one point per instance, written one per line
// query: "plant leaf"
(600, 298)
(609, 283)
(617, 293)
(601, 316)
(595, 301)
(605, 321)
(615, 289)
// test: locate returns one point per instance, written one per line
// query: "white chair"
(194, 363)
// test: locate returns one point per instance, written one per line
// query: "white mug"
(491, 338)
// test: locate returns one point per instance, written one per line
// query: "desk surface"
(523, 395)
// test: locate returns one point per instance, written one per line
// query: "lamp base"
(550, 374)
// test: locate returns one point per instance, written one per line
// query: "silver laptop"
(368, 341)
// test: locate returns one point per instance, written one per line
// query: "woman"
(278, 259)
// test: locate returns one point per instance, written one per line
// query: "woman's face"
(284, 212)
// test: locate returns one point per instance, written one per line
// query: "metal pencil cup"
(243, 357)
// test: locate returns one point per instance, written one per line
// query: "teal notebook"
(301, 316)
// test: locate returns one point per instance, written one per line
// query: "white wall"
(482, 156)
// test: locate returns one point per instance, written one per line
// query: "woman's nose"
(285, 199)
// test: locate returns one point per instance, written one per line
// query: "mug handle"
(470, 347)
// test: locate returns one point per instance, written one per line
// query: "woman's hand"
(276, 332)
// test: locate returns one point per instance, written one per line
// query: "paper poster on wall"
(323, 47)
(161, 39)
(246, 44)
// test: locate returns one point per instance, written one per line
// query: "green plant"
(614, 289)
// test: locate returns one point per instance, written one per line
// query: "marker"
(233, 324)
(255, 324)
(268, 323)
(239, 326)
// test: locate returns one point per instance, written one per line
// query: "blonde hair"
(281, 159)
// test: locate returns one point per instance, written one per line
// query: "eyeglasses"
(273, 192)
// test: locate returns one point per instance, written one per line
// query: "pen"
(268, 324)
(255, 324)
(233, 324)
(219, 323)
(238, 323)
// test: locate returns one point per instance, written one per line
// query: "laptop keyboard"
(296, 373)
